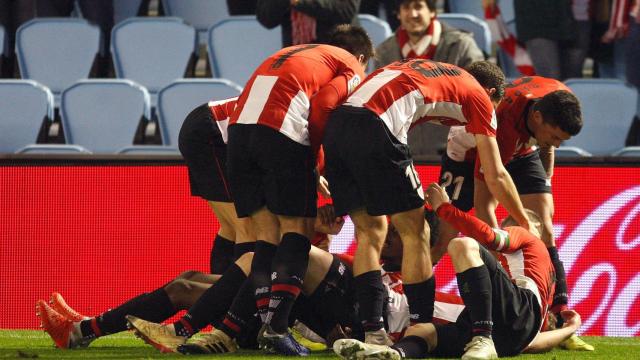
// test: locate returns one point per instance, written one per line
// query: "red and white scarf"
(425, 48)
(303, 28)
(507, 41)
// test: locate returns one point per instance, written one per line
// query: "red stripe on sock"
(291, 289)
(262, 303)
(95, 328)
(231, 325)
(187, 326)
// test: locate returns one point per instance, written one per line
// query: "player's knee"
(427, 331)
(178, 291)
(461, 246)
(188, 275)
(244, 262)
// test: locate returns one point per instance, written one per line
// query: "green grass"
(36, 344)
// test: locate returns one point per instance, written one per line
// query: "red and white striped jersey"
(294, 90)
(514, 139)
(407, 93)
(461, 145)
(221, 111)
(522, 254)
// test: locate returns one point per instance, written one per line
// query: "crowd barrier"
(103, 229)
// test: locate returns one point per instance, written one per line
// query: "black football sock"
(240, 312)
(421, 299)
(412, 347)
(561, 296)
(243, 248)
(154, 306)
(475, 289)
(289, 267)
(370, 296)
(221, 255)
(261, 275)
(213, 303)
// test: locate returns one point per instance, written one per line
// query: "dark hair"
(352, 38)
(562, 109)
(489, 76)
(434, 224)
(431, 4)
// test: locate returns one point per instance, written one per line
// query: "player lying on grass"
(69, 329)
(505, 307)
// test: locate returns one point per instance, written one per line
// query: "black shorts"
(367, 167)
(457, 179)
(205, 153)
(266, 168)
(515, 311)
(332, 303)
(528, 174)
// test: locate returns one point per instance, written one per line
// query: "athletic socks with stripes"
(476, 292)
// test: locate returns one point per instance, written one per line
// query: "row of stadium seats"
(100, 115)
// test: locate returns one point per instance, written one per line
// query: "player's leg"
(209, 307)
(474, 284)
(417, 273)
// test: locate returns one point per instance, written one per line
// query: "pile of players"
(309, 121)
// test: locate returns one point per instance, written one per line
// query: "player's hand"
(323, 187)
(436, 196)
(327, 222)
(571, 318)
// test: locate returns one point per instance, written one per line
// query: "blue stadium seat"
(124, 9)
(202, 14)
(149, 150)
(507, 11)
(53, 149)
(608, 107)
(377, 29)
(467, 7)
(571, 151)
(3, 41)
(152, 51)
(236, 60)
(57, 52)
(177, 100)
(25, 105)
(103, 115)
(477, 26)
(630, 151)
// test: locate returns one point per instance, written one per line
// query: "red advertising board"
(102, 234)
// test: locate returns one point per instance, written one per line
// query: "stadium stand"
(178, 99)
(124, 9)
(202, 14)
(153, 51)
(467, 7)
(608, 107)
(377, 29)
(101, 115)
(472, 24)
(3, 41)
(629, 151)
(25, 105)
(570, 151)
(57, 52)
(231, 61)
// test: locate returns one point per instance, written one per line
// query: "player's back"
(406, 93)
(281, 87)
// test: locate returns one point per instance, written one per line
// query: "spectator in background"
(306, 21)
(13, 13)
(241, 7)
(548, 29)
(633, 69)
(421, 35)
(99, 12)
(372, 7)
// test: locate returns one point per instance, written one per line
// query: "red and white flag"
(507, 41)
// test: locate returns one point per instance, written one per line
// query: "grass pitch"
(31, 344)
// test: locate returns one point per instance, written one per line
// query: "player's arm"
(271, 12)
(484, 202)
(547, 156)
(461, 221)
(322, 103)
(547, 340)
(498, 179)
